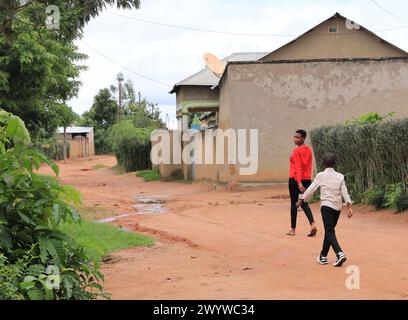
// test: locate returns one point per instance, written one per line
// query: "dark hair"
(302, 133)
(329, 160)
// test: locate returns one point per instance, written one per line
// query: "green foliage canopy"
(32, 206)
(39, 68)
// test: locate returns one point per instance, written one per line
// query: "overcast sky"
(168, 54)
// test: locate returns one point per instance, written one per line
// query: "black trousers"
(330, 218)
(294, 197)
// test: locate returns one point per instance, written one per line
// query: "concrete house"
(332, 73)
(200, 92)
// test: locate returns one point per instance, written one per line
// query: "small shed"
(80, 139)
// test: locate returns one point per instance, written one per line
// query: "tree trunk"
(65, 144)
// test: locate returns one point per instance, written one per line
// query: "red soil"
(211, 244)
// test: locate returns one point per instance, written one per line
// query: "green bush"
(47, 263)
(396, 197)
(375, 196)
(131, 146)
(369, 154)
(371, 117)
(10, 277)
(103, 144)
(148, 175)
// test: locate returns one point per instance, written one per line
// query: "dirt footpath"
(216, 245)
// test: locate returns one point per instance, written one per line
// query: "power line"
(106, 57)
(246, 34)
(237, 33)
(125, 68)
(391, 29)
(389, 12)
(200, 29)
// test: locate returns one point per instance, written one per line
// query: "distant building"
(80, 140)
(334, 72)
(199, 92)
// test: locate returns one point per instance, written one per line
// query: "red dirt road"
(216, 245)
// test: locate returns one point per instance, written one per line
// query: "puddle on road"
(150, 205)
(146, 205)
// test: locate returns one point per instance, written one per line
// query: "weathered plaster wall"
(278, 98)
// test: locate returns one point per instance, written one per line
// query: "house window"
(333, 30)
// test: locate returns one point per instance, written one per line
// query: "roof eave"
(336, 15)
(174, 90)
(178, 86)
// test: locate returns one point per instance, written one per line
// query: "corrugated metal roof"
(75, 130)
(205, 77)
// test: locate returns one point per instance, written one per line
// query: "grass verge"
(94, 213)
(148, 175)
(100, 239)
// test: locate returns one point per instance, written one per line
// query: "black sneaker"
(340, 259)
(322, 260)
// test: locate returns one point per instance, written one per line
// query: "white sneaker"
(340, 259)
(322, 260)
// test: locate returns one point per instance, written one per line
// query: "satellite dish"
(214, 64)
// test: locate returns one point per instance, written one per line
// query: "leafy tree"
(125, 93)
(101, 117)
(65, 116)
(103, 111)
(142, 112)
(39, 67)
(145, 114)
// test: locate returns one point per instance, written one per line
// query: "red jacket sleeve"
(298, 165)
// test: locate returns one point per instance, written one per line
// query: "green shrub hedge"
(131, 146)
(103, 144)
(373, 157)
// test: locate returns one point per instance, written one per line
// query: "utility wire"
(389, 12)
(111, 60)
(125, 68)
(237, 33)
(200, 29)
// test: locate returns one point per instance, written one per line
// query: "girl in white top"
(333, 191)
